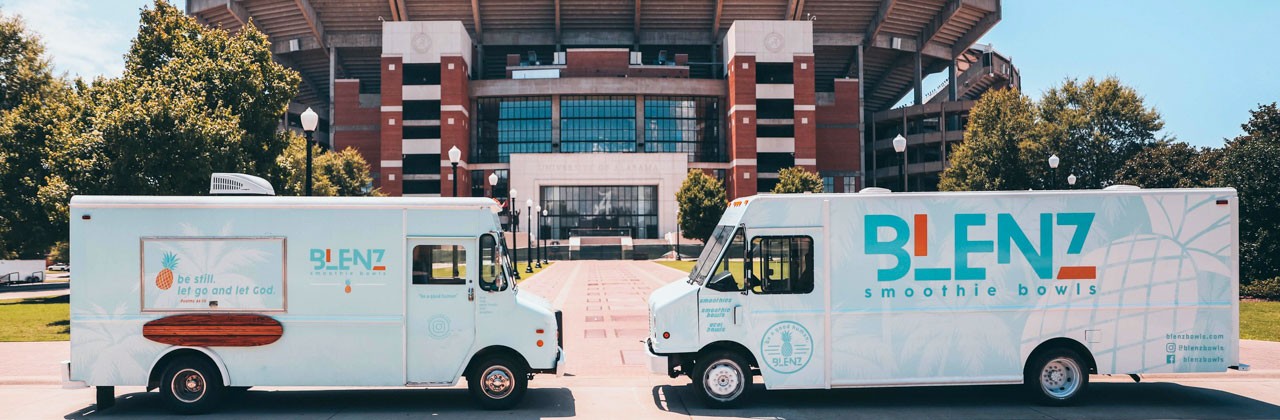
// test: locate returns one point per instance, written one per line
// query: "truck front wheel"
(1057, 377)
(723, 379)
(192, 385)
(498, 383)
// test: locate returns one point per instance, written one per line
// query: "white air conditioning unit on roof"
(239, 184)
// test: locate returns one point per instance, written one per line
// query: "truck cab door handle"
(471, 294)
(735, 314)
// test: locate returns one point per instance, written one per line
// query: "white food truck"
(198, 296)
(880, 289)
(21, 271)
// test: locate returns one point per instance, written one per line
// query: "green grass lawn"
(684, 266)
(1260, 320)
(35, 319)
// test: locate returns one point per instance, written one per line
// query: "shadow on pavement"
(1104, 400)
(374, 403)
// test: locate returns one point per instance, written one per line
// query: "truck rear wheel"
(1057, 377)
(498, 383)
(191, 385)
(723, 379)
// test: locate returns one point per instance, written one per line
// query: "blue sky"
(1202, 64)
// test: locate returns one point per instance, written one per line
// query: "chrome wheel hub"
(497, 382)
(1060, 378)
(723, 379)
(188, 385)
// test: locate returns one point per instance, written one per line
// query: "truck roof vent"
(1121, 187)
(874, 190)
(239, 184)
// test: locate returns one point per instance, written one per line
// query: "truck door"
(786, 306)
(440, 310)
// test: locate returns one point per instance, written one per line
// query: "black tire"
(723, 379)
(498, 383)
(192, 385)
(1057, 377)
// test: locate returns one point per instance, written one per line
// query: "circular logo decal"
(421, 42)
(786, 347)
(438, 326)
(774, 42)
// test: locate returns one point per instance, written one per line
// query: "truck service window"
(784, 264)
(439, 264)
(491, 265)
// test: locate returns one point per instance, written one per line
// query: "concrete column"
(555, 123)
(640, 123)
(951, 81)
(919, 87)
(455, 119)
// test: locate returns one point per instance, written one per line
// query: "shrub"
(1268, 289)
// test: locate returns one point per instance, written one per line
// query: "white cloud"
(79, 38)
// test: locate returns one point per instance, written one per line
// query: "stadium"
(595, 110)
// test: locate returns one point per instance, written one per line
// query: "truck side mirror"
(723, 282)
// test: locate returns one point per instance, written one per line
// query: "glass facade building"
(511, 125)
(582, 209)
(597, 124)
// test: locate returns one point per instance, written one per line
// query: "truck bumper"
(559, 362)
(67, 383)
(657, 363)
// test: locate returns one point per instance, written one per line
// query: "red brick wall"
(805, 120)
(613, 63)
(742, 135)
(839, 140)
(453, 94)
(347, 116)
(390, 123)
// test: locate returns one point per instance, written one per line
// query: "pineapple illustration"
(164, 280)
(786, 344)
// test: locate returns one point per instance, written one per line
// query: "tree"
(192, 101)
(24, 69)
(991, 158)
(795, 180)
(702, 201)
(32, 110)
(1170, 164)
(1094, 127)
(1251, 164)
(223, 73)
(342, 173)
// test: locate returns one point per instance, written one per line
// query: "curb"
(30, 380)
(34, 288)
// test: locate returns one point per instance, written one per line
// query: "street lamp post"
(537, 258)
(528, 237)
(545, 251)
(678, 232)
(309, 121)
(1071, 180)
(513, 215)
(455, 155)
(900, 146)
(1053, 164)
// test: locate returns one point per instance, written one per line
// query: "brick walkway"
(606, 312)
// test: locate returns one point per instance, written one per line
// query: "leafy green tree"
(702, 201)
(32, 110)
(991, 158)
(795, 180)
(24, 69)
(1094, 126)
(342, 173)
(1170, 164)
(232, 74)
(1251, 164)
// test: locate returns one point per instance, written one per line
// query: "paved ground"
(605, 316)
